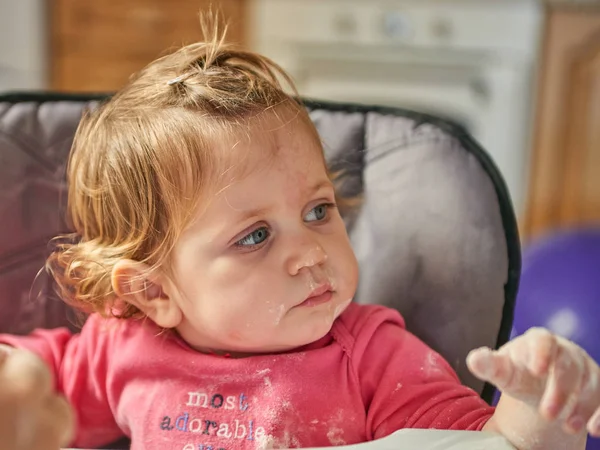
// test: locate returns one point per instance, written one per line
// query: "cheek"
(247, 293)
(351, 271)
(344, 263)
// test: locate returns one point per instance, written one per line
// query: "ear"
(135, 283)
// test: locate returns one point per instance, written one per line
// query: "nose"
(306, 253)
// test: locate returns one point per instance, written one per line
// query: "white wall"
(24, 45)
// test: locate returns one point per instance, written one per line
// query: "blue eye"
(318, 213)
(257, 237)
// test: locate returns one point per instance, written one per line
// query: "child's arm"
(551, 391)
(79, 366)
(405, 384)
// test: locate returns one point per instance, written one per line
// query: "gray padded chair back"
(435, 236)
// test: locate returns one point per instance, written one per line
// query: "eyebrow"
(247, 214)
(317, 187)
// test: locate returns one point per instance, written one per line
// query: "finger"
(26, 426)
(61, 413)
(8, 423)
(592, 395)
(54, 425)
(3, 356)
(541, 352)
(577, 411)
(5, 350)
(593, 425)
(491, 366)
(68, 421)
(479, 362)
(27, 376)
(565, 373)
(46, 436)
(584, 399)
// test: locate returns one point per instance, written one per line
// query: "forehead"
(291, 149)
(274, 155)
(280, 140)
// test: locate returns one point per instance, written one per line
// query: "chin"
(320, 328)
(313, 323)
(306, 335)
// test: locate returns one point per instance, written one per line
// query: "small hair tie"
(176, 80)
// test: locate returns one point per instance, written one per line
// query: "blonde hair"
(140, 161)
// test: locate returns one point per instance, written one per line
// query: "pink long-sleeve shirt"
(367, 378)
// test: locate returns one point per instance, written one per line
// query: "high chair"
(435, 232)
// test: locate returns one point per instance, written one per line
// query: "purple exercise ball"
(560, 290)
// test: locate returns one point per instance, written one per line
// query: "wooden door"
(97, 45)
(565, 169)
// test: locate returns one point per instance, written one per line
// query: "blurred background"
(523, 76)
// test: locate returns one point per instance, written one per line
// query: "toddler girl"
(219, 277)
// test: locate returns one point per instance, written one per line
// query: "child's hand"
(547, 372)
(32, 417)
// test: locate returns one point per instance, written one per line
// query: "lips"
(320, 295)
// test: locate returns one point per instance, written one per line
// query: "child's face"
(247, 268)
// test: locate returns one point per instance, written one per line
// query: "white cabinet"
(23, 45)
(469, 60)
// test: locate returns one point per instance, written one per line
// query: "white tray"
(432, 440)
